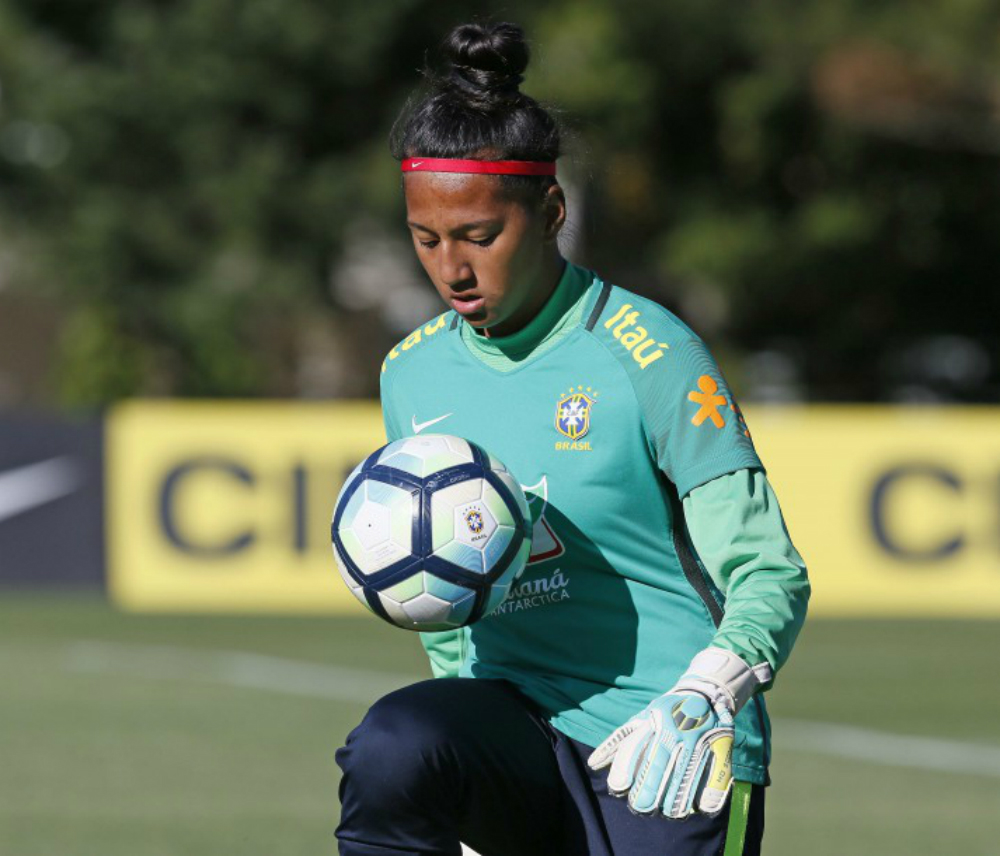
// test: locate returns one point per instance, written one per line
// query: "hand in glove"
(675, 756)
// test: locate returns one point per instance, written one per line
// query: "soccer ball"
(430, 532)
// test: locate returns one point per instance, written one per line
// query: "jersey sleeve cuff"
(705, 471)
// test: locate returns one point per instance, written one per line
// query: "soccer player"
(612, 705)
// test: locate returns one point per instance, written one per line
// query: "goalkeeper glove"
(675, 756)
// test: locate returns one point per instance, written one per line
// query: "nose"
(455, 271)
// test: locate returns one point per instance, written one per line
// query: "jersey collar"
(560, 312)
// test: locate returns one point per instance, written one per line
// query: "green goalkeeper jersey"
(655, 531)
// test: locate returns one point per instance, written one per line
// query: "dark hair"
(475, 109)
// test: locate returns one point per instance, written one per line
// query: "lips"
(468, 304)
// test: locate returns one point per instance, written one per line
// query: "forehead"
(454, 197)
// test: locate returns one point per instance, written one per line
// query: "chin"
(483, 318)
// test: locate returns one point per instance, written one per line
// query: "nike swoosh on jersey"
(419, 427)
(24, 488)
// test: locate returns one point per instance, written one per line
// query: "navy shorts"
(451, 761)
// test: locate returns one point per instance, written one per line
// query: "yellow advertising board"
(226, 506)
(896, 510)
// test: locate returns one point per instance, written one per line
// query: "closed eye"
(430, 243)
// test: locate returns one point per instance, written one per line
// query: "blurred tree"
(210, 153)
(826, 169)
(812, 180)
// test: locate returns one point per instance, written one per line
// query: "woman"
(609, 705)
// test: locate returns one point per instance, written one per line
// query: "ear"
(553, 212)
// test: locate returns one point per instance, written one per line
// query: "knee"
(397, 742)
(394, 792)
(412, 718)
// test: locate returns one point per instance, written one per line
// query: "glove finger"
(709, 759)
(677, 800)
(627, 760)
(719, 778)
(656, 769)
(602, 755)
(655, 775)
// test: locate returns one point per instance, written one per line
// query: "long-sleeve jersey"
(655, 531)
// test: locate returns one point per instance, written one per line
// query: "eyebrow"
(465, 227)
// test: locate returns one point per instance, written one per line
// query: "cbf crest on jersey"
(573, 412)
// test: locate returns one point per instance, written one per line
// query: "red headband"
(497, 168)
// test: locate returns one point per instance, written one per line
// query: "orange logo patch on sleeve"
(709, 401)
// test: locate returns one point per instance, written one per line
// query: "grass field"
(124, 734)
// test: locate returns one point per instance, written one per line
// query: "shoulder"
(643, 336)
(420, 341)
(689, 414)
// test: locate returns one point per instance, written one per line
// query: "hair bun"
(487, 59)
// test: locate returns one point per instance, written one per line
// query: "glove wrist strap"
(723, 678)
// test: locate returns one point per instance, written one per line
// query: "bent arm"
(445, 649)
(738, 531)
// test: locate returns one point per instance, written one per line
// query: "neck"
(552, 271)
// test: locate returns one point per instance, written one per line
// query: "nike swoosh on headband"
(467, 165)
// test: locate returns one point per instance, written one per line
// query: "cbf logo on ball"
(474, 521)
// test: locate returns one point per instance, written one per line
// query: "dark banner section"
(51, 501)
